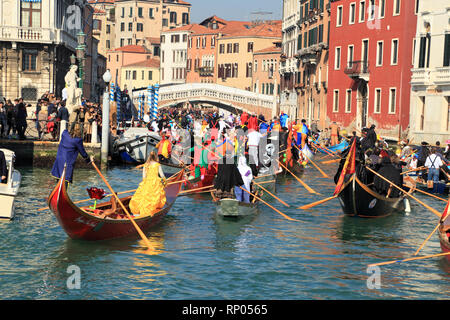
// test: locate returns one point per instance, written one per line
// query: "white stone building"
(37, 38)
(174, 44)
(430, 83)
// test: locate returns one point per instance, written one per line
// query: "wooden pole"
(123, 207)
(315, 165)
(278, 211)
(309, 206)
(428, 194)
(264, 189)
(298, 179)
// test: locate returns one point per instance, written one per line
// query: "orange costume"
(334, 134)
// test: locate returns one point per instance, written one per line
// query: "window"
(382, 7)
(117, 58)
(142, 75)
(348, 101)
(236, 48)
(198, 42)
(377, 103)
(447, 51)
(339, 16)
(29, 60)
(249, 70)
(372, 10)
(352, 15)
(108, 44)
(204, 42)
(229, 48)
(213, 42)
(336, 101)
(139, 27)
(392, 100)
(122, 26)
(97, 24)
(397, 5)
(250, 47)
(140, 12)
(422, 113)
(150, 13)
(108, 29)
(379, 53)
(337, 59)
(29, 93)
(165, 22)
(163, 39)
(122, 42)
(185, 18)
(130, 26)
(184, 37)
(362, 11)
(417, 7)
(394, 52)
(123, 12)
(134, 74)
(130, 41)
(173, 17)
(422, 52)
(131, 11)
(350, 57)
(222, 48)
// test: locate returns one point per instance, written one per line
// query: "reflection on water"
(195, 254)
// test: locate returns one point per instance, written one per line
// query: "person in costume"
(70, 146)
(164, 149)
(247, 177)
(150, 195)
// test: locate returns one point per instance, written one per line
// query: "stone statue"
(73, 95)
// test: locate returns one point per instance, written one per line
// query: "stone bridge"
(223, 97)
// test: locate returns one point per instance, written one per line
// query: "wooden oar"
(123, 207)
(309, 206)
(428, 194)
(195, 190)
(331, 161)
(270, 193)
(407, 194)
(85, 200)
(329, 152)
(278, 211)
(413, 170)
(298, 179)
(409, 259)
(315, 165)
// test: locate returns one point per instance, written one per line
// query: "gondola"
(199, 183)
(107, 221)
(444, 239)
(233, 209)
(358, 199)
(333, 149)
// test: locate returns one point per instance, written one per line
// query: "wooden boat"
(232, 208)
(438, 188)
(357, 199)
(444, 238)
(88, 224)
(199, 183)
(336, 148)
(171, 169)
(9, 190)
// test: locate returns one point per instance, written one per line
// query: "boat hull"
(444, 241)
(336, 148)
(232, 208)
(80, 224)
(357, 199)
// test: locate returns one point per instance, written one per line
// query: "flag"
(349, 168)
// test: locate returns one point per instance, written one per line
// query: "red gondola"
(107, 221)
(444, 239)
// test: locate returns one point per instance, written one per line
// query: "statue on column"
(74, 93)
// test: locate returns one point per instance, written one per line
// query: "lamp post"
(105, 120)
(81, 49)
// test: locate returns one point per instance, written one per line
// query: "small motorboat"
(9, 190)
(135, 144)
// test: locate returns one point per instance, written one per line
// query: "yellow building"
(234, 66)
(140, 74)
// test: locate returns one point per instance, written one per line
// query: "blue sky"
(235, 9)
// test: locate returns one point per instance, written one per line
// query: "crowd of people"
(48, 114)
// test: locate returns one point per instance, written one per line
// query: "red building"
(369, 70)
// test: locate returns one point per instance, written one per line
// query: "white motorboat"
(9, 190)
(135, 144)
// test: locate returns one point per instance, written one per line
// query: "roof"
(267, 29)
(194, 28)
(149, 63)
(176, 2)
(154, 40)
(133, 49)
(273, 49)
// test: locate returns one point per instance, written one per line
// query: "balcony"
(358, 70)
(420, 77)
(37, 35)
(442, 76)
(206, 71)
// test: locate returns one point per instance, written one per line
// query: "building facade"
(288, 62)
(36, 42)
(103, 24)
(430, 83)
(235, 53)
(370, 64)
(140, 74)
(174, 55)
(312, 54)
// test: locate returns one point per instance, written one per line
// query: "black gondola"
(357, 199)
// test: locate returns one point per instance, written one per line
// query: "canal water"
(197, 256)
